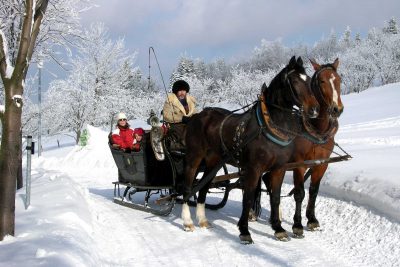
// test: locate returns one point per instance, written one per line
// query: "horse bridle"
(296, 100)
(316, 87)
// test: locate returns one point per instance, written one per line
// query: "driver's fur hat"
(180, 85)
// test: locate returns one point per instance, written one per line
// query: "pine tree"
(391, 27)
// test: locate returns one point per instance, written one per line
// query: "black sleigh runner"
(162, 170)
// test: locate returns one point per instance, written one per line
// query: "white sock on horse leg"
(201, 213)
(186, 217)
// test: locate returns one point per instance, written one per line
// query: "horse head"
(291, 88)
(325, 84)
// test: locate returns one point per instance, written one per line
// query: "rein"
(294, 97)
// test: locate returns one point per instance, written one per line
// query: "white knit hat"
(120, 116)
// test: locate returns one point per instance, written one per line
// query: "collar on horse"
(268, 128)
(310, 132)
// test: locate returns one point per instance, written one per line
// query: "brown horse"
(318, 141)
(216, 136)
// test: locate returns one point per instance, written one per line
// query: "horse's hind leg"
(298, 177)
(316, 176)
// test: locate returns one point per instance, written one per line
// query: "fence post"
(30, 148)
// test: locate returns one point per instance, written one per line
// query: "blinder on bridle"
(295, 97)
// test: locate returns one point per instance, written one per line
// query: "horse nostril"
(336, 110)
(341, 111)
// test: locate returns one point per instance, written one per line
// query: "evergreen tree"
(391, 27)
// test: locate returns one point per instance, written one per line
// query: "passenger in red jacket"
(122, 137)
(138, 134)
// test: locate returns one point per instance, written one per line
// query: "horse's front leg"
(250, 182)
(276, 179)
(201, 206)
(298, 180)
(316, 176)
(190, 173)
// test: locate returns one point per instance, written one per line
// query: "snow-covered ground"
(72, 220)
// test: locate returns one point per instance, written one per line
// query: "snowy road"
(349, 236)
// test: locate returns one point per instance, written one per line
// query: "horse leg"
(276, 179)
(201, 206)
(255, 211)
(316, 177)
(192, 165)
(250, 182)
(298, 179)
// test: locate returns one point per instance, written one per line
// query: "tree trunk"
(78, 136)
(10, 147)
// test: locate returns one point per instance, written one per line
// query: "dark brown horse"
(317, 142)
(216, 136)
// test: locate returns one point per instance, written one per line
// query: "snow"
(72, 220)
(2, 108)
(9, 67)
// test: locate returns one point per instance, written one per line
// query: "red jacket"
(123, 137)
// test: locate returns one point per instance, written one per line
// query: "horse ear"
(336, 63)
(292, 62)
(315, 65)
(300, 61)
(263, 87)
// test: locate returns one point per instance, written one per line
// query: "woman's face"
(122, 122)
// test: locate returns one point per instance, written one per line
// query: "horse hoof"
(298, 233)
(297, 236)
(313, 226)
(205, 225)
(188, 228)
(282, 236)
(252, 216)
(246, 239)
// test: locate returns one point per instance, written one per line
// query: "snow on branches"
(5, 65)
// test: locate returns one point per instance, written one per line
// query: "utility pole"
(40, 66)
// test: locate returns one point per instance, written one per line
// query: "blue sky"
(230, 29)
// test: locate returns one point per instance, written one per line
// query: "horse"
(317, 142)
(218, 136)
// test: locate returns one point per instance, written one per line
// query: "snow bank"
(370, 131)
(55, 230)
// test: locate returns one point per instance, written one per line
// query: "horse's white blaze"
(334, 93)
(187, 220)
(201, 212)
(303, 77)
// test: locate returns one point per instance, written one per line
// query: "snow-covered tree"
(345, 41)
(102, 83)
(185, 68)
(270, 55)
(391, 27)
(327, 49)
